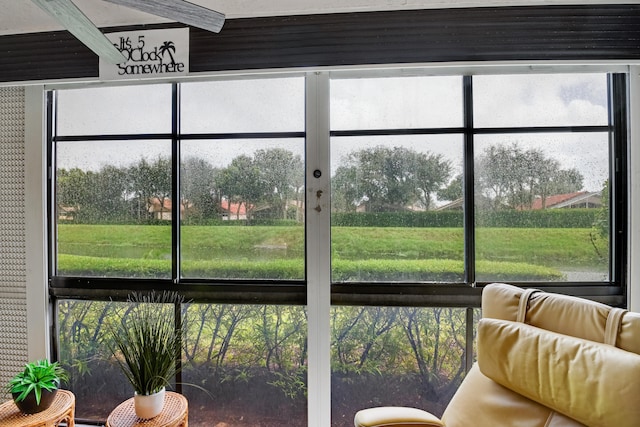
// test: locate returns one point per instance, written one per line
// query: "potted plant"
(34, 389)
(146, 343)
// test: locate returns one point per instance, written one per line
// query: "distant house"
(236, 211)
(481, 202)
(161, 209)
(579, 199)
(456, 205)
(67, 213)
(233, 211)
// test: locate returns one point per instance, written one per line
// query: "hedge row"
(548, 218)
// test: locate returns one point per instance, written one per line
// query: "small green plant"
(146, 341)
(37, 376)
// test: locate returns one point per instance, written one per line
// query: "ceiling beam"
(178, 10)
(72, 18)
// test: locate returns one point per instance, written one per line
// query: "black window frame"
(466, 293)
(194, 289)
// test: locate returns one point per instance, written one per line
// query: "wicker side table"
(62, 410)
(175, 413)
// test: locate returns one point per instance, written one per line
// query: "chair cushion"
(593, 383)
(563, 314)
(481, 402)
(393, 416)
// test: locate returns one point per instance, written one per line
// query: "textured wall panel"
(13, 305)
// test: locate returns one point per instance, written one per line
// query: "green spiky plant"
(37, 376)
(146, 341)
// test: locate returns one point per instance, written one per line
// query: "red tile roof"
(233, 208)
(555, 199)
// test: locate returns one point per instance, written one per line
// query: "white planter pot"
(148, 406)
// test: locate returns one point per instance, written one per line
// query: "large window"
(525, 160)
(194, 183)
(242, 163)
(442, 181)
(438, 185)
(542, 175)
(396, 143)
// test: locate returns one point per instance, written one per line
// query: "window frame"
(424, 294)
(196, 289)
(468, 293)
(314, 291)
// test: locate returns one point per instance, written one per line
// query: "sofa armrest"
(395, 416)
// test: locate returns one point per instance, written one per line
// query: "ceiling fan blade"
(72, 18)
(178, 10)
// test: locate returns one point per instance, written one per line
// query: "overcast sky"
(277, 105)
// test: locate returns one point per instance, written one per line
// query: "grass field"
(358, 253)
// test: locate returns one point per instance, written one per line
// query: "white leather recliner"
(544, 360)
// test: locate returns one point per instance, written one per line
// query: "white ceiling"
(22, 16)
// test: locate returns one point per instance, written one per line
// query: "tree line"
(270, 181)
(269, 184)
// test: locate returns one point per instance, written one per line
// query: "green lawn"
(358, 253)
